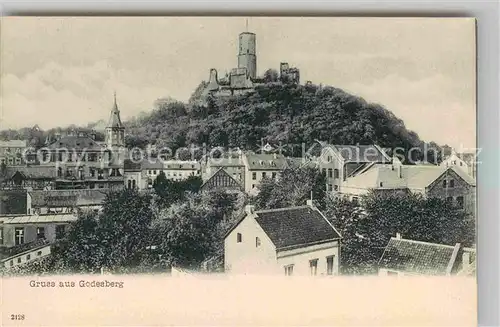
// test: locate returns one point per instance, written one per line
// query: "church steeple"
(115, 132)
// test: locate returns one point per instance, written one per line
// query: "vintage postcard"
(238, 171)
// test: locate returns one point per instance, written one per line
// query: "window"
(329, 265)
(289, 270)
(28, 257)
(449, 199)
(133, 184)
(257, 242)
(274, 175)
(18, 260)
(254, 176)
(129, 184)
(253, 185)
(264, 175)
(324, 171)
(335, 187)
(329, 158)
(335, 173)
(239, 238)
(313, 266)
(461, 163)
(330, 172)
(60, 231)
(19, 235)
(381, 184)
(329, 187)
(452, 183)
(11, 263)
(1, 235)
(355, 199)
(460, 201)
(444, 183)
(39, 253)
(40, 233)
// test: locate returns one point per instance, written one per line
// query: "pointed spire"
(115, 104)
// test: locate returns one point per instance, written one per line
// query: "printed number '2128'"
(16, 317)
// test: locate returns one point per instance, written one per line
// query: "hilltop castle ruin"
(244, 79)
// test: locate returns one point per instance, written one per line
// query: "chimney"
(466, 260)
(275, 156)
(398, 236)
(249, 209)
(310, 203)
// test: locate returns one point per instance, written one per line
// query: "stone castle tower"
(115, 131)
(247, 53)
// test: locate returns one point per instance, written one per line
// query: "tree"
(117, 238)
(292, 188)
(367, 229)
(271, 76)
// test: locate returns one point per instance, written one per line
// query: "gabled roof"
(76, 142)
(361, 153)
(221, 179)
(301, 163)
(32, 172)
(13, 144)
(266, 161)
(412, 176)
(39, 219)
(151, 164)
(66, 198)
(295, 226)
(415, 257)
(225, 162)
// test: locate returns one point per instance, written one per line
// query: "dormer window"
(261, 163)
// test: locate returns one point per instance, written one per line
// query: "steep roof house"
(403, 257)
(287, 241)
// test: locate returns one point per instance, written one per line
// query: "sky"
(57, 71)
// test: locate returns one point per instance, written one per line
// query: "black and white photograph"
(312, 148)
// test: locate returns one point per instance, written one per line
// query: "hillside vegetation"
(275, 113)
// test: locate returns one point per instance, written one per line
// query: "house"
(260, 166)
(234, 166)
(20, 229)
(29, 177)
(64, 201)
(450, 183)
(178, 170)
(467, 162)
(286, 241)
(25, 253)
(340, 162)
(12, 152)
(221, 180)
(403, 257)
(134, 177)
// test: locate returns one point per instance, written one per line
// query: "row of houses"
(302, 241)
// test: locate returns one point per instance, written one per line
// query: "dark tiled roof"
(266, 161)
(129, 165)
(76, 142)
(420, 258)
(66, 198)
(151, 164)
(301, 163)
(15, 250)
(289, 227)
(32, 172)
(221, 179)
(361, 153)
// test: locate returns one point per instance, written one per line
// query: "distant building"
(12, 152)
(340, 162)
(76, 161)
(221, 180)
(449, 183)
(174, 170)
(261, 166)
(467, 162)
(134, 176)
(287, 241)
(23, 229)
(64, 201)
(233, 166)
(26, 253)
(404, 257)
